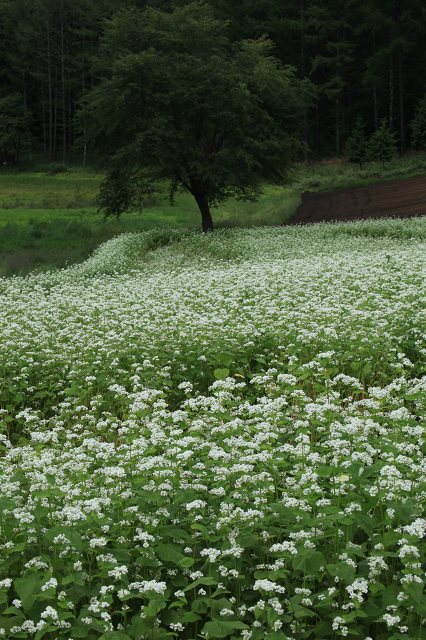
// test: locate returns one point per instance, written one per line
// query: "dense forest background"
(365, 58)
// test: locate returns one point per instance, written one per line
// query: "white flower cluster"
(130, 475)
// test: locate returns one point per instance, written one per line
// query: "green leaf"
(222, 628)
(364, 521)
(226, 358)
(80, 631)
(170, 553)
(154, 606)
(44, 630)
(249, 540)
(207, 581)
(302, 612)
(189, 616)
(221, 374)
(26, 588)
(309, 562)
(342, 571)
(415, 591)
(323, 471)
(114, 635)
(186, 562)
(404, 510)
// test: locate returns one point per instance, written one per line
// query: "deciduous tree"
(181, 102)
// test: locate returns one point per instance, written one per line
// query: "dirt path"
(404, 198)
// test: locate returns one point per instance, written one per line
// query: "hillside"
(217, 435)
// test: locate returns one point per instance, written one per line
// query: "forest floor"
(401, 198)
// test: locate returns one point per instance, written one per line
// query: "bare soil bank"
(404, 198)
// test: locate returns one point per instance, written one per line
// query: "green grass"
(337, 174)
(49, 221)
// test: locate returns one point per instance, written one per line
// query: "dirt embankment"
(404, 198)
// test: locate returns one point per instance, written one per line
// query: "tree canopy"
(179, 101)
(365, 58)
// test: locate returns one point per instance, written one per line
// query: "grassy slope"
(53, 220)
(128, 472)
(336, 174)
(50, 221)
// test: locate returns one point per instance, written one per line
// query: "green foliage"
(53, 168)
(180, 102)
(224, 434)
(363, 57)
(418, 127)
(381, 146)
(356, 146)
(14, 126)
(50, 221)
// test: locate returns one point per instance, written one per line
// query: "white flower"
(98, 542)
(212, 554)
(268, 586)
(391, 621)
(196, 504)
(416, 528)
(118, 572)
(357, 589)
(286, 546)
(50, 612)
(52, 583)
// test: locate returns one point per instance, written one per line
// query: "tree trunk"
(64, 110)
(376, 111)
(43, 112)
(391, 96)
(49, 81)
(401, 106)
(204, 207)
(337, 126)
(55, 116)
(303, 73)
(28, 136)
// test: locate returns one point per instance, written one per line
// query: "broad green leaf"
(169, 553)
(221, 374)
(342, 570)
(27, 588)
(309, 562)
(222, 628)
(186, 562)
(207, 581)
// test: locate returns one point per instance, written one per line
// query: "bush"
(381, 146)
(54, 168)
(357, 146)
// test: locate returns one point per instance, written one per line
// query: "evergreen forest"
(362, 59)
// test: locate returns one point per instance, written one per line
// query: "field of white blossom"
(218, 436)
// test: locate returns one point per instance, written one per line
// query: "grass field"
(217, 436)
(338, 174)
(50, 221)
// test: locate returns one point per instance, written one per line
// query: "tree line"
(363, 58)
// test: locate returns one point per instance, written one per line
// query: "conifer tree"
(14, 127)
(381, 146)
(418, 127)
(356, 146)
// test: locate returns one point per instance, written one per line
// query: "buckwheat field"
(218, 436)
